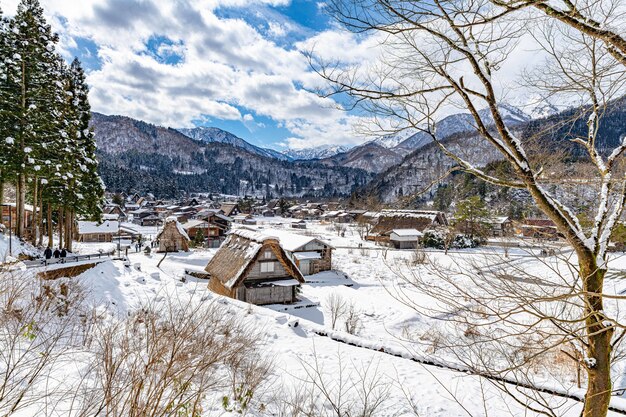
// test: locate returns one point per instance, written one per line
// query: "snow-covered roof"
(291, 241)
(303, 256)
(280, 283)
(407, 232)
(194, 223)
(173, 220)
(253, 235)
(108, 226)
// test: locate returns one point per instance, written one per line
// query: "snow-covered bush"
(433, 239)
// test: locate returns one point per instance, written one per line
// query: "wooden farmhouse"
(230, 209)
(310, 254)
(385, 221)
(96, 232)
(254, 268)
(172, 238)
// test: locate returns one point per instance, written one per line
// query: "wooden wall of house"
(255, 270)
(270, 295)
(319, 265)
(96, 237)
(217, 287)
(171, 240)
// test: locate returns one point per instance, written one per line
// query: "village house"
(405, 238)
(230, 209)
(310, 254)
(115, 210)
(300, 224)
(539, 229)
(146, 217)
(385, 221)
(244, 219)
(9, 216)
(254, 268)
(213, 226)
(172, 238)
(500, 226)
(87, 231)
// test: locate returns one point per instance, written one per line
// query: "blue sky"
(233, 64)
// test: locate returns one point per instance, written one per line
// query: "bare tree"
(337, 308)
(165, 359)
(40, 326)
(449, 52)
(350, 390)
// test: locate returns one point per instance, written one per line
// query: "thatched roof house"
(254, 268)
(387, 220)
(172, 238)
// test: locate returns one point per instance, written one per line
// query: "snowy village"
(299, 208)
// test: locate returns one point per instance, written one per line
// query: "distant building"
(230, 209)
(96, 232)
(539, 229)
(254, 268)
(405, 238)
(385, 221)
(172, 238)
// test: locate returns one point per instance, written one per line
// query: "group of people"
(48, 253)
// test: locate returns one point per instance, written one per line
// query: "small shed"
(254, 268)
(87, 231)
(300, 224)
(405, 238)
(172, 238)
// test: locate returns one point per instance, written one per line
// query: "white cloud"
(227, 65)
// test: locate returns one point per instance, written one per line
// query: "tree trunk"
(69, 236)
(1, 188)
(41, 229)
(598, 361)
(61, 225)
(50, 228)
(19, 207)
(21, 179)
(35, 219)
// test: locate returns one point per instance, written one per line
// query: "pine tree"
(3, 106)
(32, 74)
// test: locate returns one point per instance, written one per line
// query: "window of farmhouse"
(267, 267)
(268, 254)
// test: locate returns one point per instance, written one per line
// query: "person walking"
(56, 253)
(63, 255)
(47, 253)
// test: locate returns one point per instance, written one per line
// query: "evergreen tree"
(5, 109)
(46, 146)
(32, 74)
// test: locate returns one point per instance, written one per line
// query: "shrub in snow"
(433, 239)
(463, 242)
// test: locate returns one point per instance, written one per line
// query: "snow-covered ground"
(11, 249)
(365, 276)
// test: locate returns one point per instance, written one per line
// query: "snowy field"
(367, 278)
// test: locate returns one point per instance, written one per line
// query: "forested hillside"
(137, 156)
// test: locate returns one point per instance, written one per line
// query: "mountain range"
(138, 156)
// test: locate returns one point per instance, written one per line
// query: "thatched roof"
(238, 253)
(387, 224)
(171, 223)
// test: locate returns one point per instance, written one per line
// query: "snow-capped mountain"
(214, 134)
(386, 151)
(393, 140)
(319, 152)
